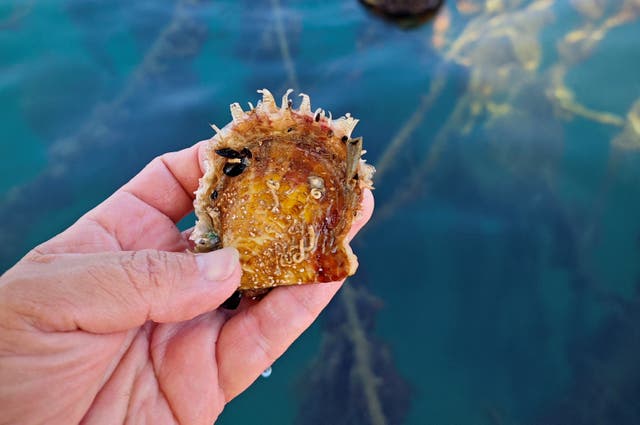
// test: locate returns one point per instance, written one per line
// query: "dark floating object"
(233, 301)
(233, 169)
(405, 13)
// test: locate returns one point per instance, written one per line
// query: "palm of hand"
(159, 365)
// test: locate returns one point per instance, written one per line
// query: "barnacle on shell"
(283, 186)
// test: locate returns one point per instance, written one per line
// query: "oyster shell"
(283, 186)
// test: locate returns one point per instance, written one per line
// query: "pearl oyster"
(283, 186)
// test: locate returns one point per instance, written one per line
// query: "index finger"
(169, 181)
(142, 213)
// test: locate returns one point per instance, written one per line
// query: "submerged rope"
(284, 45)
(363, 368)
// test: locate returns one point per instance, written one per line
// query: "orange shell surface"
(289, 210)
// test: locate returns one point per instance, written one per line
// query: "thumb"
(116, 291)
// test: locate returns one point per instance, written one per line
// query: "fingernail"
(218, 265)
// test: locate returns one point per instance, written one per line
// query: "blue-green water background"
(509, 270)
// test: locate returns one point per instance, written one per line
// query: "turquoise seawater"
(505, 246)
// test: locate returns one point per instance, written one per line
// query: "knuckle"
(140, 277)
(154, 276)
(159, 161)
(154, 263)
(39, 256)
(145, 269)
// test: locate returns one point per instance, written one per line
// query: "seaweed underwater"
(505, 97)
(500, 79)
(509, 91)
(354, 379)
(103, 134)
(271, 39)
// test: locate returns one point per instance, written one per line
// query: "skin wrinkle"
(122, 353)
(161, 228)
(7, 323)
(82, 369)
(197, 153)
(162, 274)
(130, 391)
(98, 222)
(75, 371)
(127, 356)
(138, 373)
(138, 404)
(64, 322)
(132, 273)
(142, 219)
(38, 256)
(156, 364)
(43, 314)
(23, 308)
(160, 353)
(303, 302)
(161, 343)
(131, 238)
(104, 287)
(153, 263)
(126, 191)
(173, 180)
(218, 318)
(255, 326)
(221, 390)
(165, 401)
(188, 193)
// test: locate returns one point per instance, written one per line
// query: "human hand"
(112, 321)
